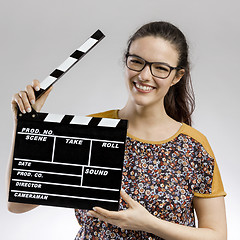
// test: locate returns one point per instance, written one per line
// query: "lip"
(144, 85)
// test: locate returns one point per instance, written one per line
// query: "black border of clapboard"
(101, 132)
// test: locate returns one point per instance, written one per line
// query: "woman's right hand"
(25, 100)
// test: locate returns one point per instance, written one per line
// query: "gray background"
(36, 36)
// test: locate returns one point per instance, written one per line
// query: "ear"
(178, 76)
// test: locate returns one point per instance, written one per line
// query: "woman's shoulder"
(106, 114)
(197, 136)
(193, 132)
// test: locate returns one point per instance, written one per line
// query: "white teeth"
(144, 88)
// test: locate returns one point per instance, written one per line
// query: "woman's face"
(144, 88)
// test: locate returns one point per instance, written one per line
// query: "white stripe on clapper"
(47, 82)
(108, 122)
(54, 118)
(67, 64)
(87, 45)
(81, 120)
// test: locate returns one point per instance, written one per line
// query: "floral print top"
(163, 177)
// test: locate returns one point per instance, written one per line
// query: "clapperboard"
(65, 160)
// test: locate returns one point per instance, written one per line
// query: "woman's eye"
(136, 61)
(161, 68)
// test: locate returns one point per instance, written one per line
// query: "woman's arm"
(23, 100)
(211, 223)
(210, 213)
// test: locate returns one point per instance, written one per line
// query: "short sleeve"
(217, 188)
(208, 182)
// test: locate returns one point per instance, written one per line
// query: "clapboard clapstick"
(69, 62)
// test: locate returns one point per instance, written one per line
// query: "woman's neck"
(150, 122)
(143, 114)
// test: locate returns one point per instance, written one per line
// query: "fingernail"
(89, 214)
(28, 110)
(23, 111)
(37, 88)
(32, 101)
(94, 209)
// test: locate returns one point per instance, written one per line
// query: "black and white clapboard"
(68, 161)
(65, 160)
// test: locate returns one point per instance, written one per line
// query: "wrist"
(149, 223)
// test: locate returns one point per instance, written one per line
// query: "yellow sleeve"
(217, 185)
(106, 114)
(217, 188)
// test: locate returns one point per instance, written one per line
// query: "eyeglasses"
(158, 69)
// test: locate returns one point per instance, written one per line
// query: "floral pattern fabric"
(163, 178)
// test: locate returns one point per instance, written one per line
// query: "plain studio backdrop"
(37, 36)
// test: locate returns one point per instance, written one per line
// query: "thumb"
(40, 102)
(127, 198)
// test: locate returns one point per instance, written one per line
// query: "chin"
(146, 101)
(142, 102)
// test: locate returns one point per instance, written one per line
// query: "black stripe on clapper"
(57, 73)
(67, 119)
(97, 35)
(94, 122)
(122, 124)
(77, 54)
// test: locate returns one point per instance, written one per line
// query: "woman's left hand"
(134, 218)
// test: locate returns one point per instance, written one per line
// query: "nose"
(145, 74)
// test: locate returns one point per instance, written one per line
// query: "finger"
(113, 221)
(97, 215)
(36, 84)
(30, 93)
(43, 98)
(106, 213)
(48, 91)
(40, 101)
(45, 95)
(17, 101)
(127, 198)
(25, 101)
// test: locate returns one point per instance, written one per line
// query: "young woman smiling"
(169, 167)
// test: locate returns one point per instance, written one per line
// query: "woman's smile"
(143, 88)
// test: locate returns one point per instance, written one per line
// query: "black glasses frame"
(150, 65)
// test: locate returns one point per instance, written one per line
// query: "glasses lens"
(160, 70)
(135, 63)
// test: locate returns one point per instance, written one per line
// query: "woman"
(169, 167)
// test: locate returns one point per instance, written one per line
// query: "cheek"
(129, 75)
(163, 86)
(162, 83)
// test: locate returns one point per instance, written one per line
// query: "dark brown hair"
(179, 102)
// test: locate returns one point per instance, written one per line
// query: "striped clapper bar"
(70, 62)
(68, 161)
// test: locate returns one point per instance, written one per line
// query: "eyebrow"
(148, 61)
